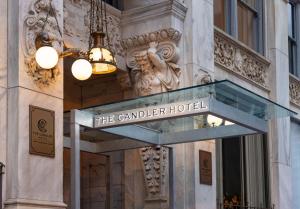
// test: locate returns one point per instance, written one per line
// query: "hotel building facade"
(166, 48)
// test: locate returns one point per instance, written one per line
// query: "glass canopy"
(224, 91)
(215, 110)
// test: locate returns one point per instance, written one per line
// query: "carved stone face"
(143, 61)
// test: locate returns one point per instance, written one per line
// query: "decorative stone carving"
(124, 80)
(153, 74)
(241, 60)
(169, 34)
(294, 90)
(152, 59)
(34, 22)
(155, 165)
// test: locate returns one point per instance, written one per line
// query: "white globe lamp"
(46, 57)
(82, 69)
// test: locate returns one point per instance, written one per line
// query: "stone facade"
(160, 45)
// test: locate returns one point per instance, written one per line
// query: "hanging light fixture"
(100, 54)
(99, 59)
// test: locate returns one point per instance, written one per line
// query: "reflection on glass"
(247, 16)
(219, 14)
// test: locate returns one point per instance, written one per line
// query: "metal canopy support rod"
(75, 160)
(107, 146)
(84, 118)
(135, 132)
(204, 134)
(237, 116)
(119, 144)
(1, 173)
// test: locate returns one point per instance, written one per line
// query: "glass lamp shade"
(228, 123)
(102, 61)
(214, 121)
(46, 57)
(82, 69)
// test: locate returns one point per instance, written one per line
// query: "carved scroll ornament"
(34, 22)
(295, 90)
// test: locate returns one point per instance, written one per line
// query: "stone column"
(3, 88)
(198, 37)
(32, 181)
(279, 129)
(198, 62)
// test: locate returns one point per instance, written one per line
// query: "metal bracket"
(1, 168)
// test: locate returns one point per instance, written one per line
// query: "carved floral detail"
(155, 164)
(33, 24)
(294, 90)
(240, 60)
(168, 34)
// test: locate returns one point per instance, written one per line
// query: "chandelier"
(99, 59)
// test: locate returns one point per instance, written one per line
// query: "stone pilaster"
(198, 37)
(32, 181)
(3, 89)
(279, 135)
(198, 64)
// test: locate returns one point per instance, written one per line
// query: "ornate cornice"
(139, 14)
(169, 34)
(294, 90)
(239, 59)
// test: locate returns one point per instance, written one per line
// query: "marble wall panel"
(203, 200)
(276, 21)
(3, 43)
(130, 4)
(281, 182)
(3, 133)
(295, 142)
(141, 20)
(33, 177)
(198, 35)
(134, 188)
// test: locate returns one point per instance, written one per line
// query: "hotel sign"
(151, 113)
(205, 165)
(41, 131)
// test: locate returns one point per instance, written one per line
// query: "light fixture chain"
(107, 36)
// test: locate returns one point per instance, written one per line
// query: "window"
(292, 39)
(242, 172)
(241, 19)
(247, 18)
(219, 14)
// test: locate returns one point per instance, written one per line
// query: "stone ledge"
(140, 14)
(34, 203)
(294, 90)
(239, 59)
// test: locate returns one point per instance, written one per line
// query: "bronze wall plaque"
(205, 167)
(41, 131)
